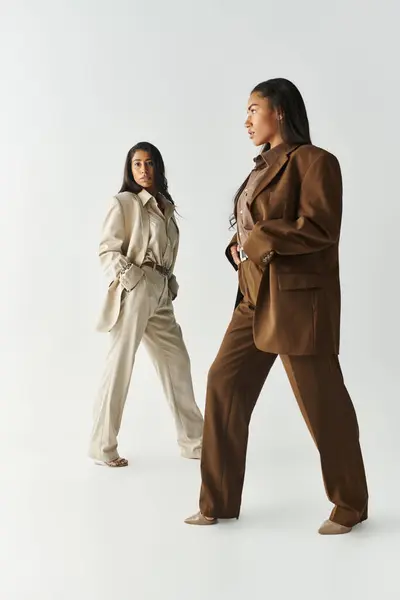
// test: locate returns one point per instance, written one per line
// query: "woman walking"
(288, 215)
(138, 250)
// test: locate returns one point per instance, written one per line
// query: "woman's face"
(262, 121)
(143, 169)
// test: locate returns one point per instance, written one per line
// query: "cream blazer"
(124, 241)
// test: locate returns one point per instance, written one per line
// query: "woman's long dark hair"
(161, 183)
(284, 97)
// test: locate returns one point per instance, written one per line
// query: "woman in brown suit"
(288, 217)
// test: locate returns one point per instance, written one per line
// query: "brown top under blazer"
(297, 210)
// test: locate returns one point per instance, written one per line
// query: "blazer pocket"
(299, 281)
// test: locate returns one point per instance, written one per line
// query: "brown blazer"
(297, 209)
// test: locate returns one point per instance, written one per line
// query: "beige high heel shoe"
(199, 519)
(331, 528)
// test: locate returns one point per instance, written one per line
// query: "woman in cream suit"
(138, 250)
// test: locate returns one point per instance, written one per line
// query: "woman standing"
(288, 214)
(138, 251)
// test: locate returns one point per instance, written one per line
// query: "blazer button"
(266, 259)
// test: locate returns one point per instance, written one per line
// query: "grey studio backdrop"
(84, 80)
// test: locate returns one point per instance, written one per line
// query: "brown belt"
(163, 270)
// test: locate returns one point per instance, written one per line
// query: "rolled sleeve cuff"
(130, 276)
(259, 253)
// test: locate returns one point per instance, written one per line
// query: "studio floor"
(72, 530)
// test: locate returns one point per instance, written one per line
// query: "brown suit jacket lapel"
(273, 171)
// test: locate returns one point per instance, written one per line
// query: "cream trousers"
(146, 314)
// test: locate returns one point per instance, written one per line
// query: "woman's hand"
(235, 254)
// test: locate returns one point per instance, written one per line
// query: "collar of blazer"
(145, 197)
(272, 171)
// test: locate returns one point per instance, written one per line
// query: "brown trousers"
(235, 381)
